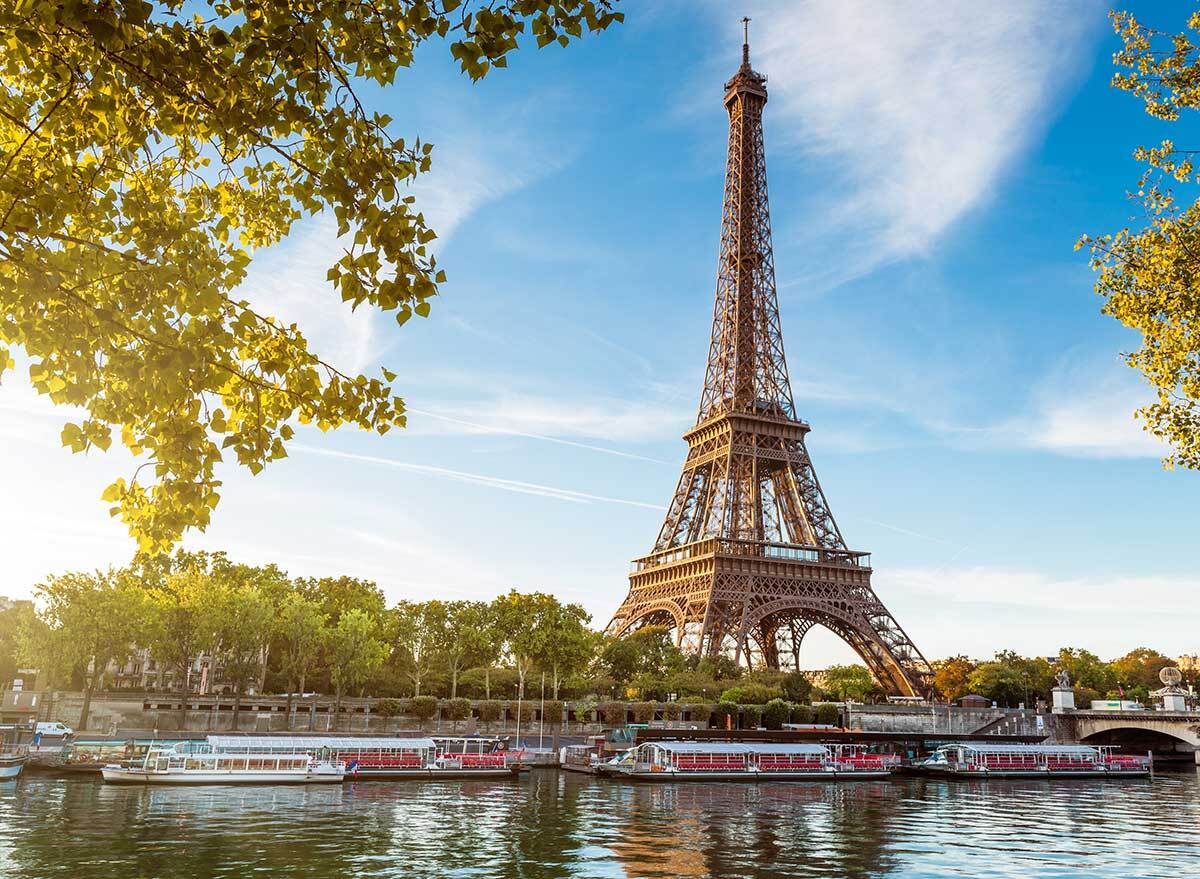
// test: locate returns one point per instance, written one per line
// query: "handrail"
(755, 549)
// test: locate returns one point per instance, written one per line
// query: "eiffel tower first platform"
(749, 557)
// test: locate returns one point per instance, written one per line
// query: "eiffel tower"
(749, 557)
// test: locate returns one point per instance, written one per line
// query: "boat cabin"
(358, 752)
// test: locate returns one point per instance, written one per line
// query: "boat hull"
(117, 775)
(430, 774)
(986, 775)
(10, 768)
(742, 776)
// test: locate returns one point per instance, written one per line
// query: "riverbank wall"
(114, 713)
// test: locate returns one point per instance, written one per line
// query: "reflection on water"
(562, 825)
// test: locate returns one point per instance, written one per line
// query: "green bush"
(389, 707)
(802, 714)
(751, 715)
(797, 687)
(490, 711)
(457, 709)
(613, 713)
(829, 714)
(423, 707)
(722, 710)
(672, 711)
(584, 710)
(700, 713)
(552, 713)
(643, 712)
(776, 713)
(751, 694)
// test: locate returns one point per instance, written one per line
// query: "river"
(556, 824)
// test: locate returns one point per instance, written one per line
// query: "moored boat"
(189, 763)
(1003, 760)
(391, 758)
(11, 763)
(747, 761)
(585, 758)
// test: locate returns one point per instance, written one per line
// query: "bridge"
(1173, 735)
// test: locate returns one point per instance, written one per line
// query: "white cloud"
(918, 106)
(1085, 408)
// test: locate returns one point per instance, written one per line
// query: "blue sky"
(930, 167)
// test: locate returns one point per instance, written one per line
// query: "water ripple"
(553, 825)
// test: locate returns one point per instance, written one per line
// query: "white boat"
(189, 763)
(390, 758)
(746, 761)
(1004, 760)
(11, 764)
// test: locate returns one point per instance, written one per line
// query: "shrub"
(796, 686)
(423, 707)
(802, 714)
(552, 713)
(672, 711)
(389, 707)
(829, 713)
(723, 710)
(613, 713)
(490, 711)
(776, 713)
(457, 709)
(643, 712)
(751, 694)
(584, 709)
(751, 715)
(700, 713)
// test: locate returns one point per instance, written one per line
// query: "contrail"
(537, 436)
(550, 491)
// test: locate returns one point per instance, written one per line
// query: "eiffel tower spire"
(749, 557)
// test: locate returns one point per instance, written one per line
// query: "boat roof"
(362, 743)
(740, 747)
(1008, 748)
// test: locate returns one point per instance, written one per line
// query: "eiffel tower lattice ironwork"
(749, 557)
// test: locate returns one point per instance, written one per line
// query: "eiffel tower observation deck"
(749, 557)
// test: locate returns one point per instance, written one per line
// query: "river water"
(556, 824)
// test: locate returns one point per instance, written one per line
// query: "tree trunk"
(487, 683)
(237, 705)
(555, 681)
(291, 721)
(87, 701)
(454, 682)
(337, 707)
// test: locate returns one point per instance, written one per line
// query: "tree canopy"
(1147, 276)
(147, 149)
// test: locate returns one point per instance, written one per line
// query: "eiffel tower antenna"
(749, 557)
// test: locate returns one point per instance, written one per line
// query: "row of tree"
(260, 629)
(1011, 679)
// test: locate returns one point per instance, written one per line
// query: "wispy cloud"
(917, 107)
(512, 485)
(561, 419)
(1084, 408)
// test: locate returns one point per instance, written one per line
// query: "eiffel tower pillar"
(749, 557)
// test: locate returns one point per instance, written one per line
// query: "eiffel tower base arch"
(760, 620)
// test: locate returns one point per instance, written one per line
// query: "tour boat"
(747, 761)
(985, 760)
(188, 763)
(394, 758)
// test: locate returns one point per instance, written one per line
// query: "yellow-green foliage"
(148, 149)
(1148, 276)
